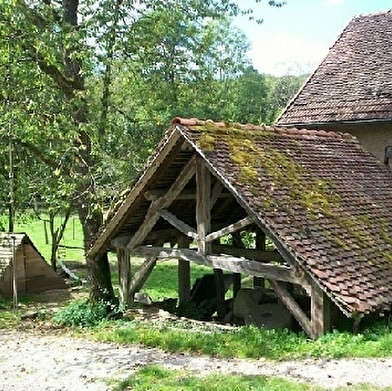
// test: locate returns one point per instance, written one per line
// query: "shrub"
(84, 313)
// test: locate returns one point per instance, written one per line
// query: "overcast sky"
(295, 38)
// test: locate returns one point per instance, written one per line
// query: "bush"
(84, 314)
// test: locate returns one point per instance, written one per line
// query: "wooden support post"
(124, 276)
(320, 312)
(220, 293)
(203, 205)
(292, 306)
(236, 283)
(260, 245)
(184, 274)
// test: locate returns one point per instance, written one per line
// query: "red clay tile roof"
(320, 194)
(324, 201)
(354, 82)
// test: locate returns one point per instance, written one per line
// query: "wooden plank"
(320, 311)
(257, 255)
(230, 228)
(203, 207)
(292, 306)
(232, 264)
(179, 224)
(152, 215)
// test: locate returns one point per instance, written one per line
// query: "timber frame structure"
(329, 217)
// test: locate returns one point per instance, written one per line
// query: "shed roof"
(324, 201)
(353, 82)
(6, 247)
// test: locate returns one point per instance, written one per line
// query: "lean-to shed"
(324, 202)
(33, 273)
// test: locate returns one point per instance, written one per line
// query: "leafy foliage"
(83, 313)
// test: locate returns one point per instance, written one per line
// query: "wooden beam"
(203, 206)
(173, 142)
(124, 276)
(320, 310)
(236, 284)
(292, 306)
(152, 215)
(257, 255)
(184, 275)
(216, 192)
(179, 224)
(140, 277)
(230, 228)
(260, 245)
(220, 293)
(232, 264)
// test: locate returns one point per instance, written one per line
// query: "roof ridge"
(278, 129)
(373, 14)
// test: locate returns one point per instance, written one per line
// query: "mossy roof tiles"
(353, 82)
(324, 201)
(320, 194)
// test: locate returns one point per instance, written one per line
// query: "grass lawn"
(375, 341)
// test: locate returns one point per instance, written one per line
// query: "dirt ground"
(44, 362)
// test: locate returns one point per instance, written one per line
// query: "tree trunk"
(98, 270)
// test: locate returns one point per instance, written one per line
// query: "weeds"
(82, 313)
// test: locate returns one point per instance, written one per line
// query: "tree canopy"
(88, 87)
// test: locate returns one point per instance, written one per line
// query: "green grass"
(375, 341)
(156, 378)
(35, 229)
(204, 338)
(159, 379)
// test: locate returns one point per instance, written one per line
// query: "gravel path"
(43, 362)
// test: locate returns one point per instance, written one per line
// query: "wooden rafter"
(153, 215)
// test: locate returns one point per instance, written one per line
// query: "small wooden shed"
(33, 273)
(324, 202)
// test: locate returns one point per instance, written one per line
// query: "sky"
(294, 39)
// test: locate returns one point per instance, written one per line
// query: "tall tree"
(58, 50)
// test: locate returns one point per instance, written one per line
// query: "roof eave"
(339, 122)
(101, 243)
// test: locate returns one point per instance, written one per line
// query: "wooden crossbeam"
(179, 224)
(230, 229)
(256, 255)
(232, 264)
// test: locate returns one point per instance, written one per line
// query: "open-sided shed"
(33, 273)
(324, 202)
